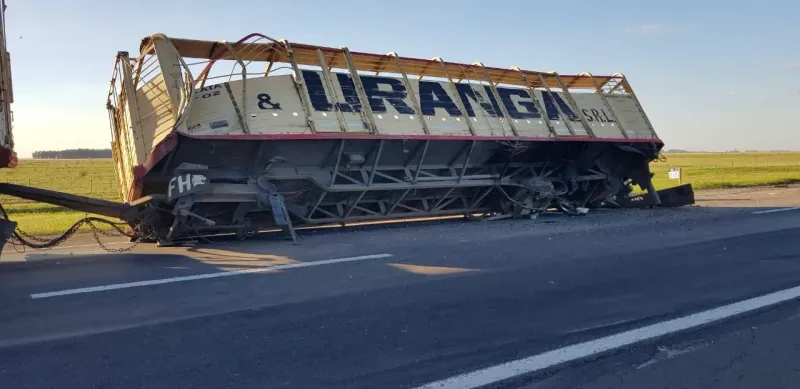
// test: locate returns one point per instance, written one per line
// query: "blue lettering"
(495, 106)
(466, 93)
(432, 96)
(396, 97)
(552, 111)
(319, 101)
(349, 92)
(526, 102)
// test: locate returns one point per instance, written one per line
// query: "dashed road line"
(104, 288)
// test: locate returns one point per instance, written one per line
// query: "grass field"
(95, 178)
(728, 170)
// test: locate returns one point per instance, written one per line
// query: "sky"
(712, 75)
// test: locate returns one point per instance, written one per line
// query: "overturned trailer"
(221, 137)
(239, 137)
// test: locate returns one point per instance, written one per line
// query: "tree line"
(72, 154)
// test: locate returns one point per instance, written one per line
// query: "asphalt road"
(382, 307)
(758, 351)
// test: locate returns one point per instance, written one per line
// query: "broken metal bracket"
(270, 198)
(677, 196)
(181, 213)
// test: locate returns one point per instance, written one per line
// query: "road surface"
(405, 306)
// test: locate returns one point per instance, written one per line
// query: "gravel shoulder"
(759, 197)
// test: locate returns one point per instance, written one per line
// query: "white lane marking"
(775, 210)
(104, 288)
(31, 257)
(579, 351)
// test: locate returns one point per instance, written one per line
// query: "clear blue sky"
(712, 75)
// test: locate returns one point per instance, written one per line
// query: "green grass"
(95, 178)
(728, 170)
(89, 177)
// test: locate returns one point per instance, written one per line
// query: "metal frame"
(561, 114)
(412, 96)
(301, 86)
(574, 106)
(459, 102)
(366, 108)
(130, 96)
(422, 67)
(630, 91)
(460, 186)
(460, 190)
(602, 95)
(498, 98)
(241, 113)
(539, 107)
(377, 190)
(165, 64)
(326, 78)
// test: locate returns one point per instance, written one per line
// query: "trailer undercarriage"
(214, 187)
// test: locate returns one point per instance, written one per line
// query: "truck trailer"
(220, 137)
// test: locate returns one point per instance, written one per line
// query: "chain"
(21, 237)
(31, 237)
(96, 231)
(45, 243)
(24, 239)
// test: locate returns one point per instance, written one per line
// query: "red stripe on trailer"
(344, 135)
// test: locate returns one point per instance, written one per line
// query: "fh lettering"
(184, 183)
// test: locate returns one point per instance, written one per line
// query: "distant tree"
(72, 154)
